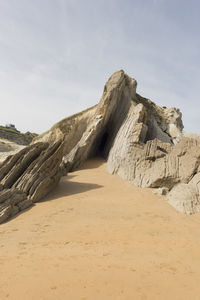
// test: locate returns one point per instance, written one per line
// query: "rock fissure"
(141, 141)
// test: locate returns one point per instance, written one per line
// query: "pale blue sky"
(56, 55)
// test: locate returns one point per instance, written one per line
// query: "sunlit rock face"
(121, 107)
(141, 141)
(28, 176)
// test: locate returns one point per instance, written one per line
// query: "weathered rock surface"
(28, 176)
(155, 164)
(142, 142)
(71, 129)
(120, 106)
(93, 131)
(185, 197)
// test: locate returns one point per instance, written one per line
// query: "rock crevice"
(141, 141)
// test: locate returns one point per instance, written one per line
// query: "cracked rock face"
(155, 164)
(141, 141)
(28, 176)
(122, 111)
(185, 197)
(93, 131)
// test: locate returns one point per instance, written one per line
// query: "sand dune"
(97, 237)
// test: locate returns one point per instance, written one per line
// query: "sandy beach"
(8, 148)
(97, 237)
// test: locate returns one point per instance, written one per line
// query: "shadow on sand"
(66, 187)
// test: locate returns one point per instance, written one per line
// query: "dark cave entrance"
(110, 127)
(102, 144)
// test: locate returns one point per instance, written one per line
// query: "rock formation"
(28, 176)
(142, 142)
(94, 131)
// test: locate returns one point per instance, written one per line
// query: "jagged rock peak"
(141, 141)
(120, 103)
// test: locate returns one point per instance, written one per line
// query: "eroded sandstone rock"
(137, 137)
(185, 197)
(142, 142)
(120, 103)
(28, 176)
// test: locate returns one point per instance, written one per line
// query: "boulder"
(185, 197)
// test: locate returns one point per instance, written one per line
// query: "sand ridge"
(98, 237)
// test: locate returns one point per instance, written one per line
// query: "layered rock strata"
(28, 176)
(120, 106)
(141, 141)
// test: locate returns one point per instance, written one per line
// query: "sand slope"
(8, 148)
(97, 237)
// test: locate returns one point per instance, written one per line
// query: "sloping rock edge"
(29, 176)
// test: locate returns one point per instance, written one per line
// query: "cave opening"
(102, 145)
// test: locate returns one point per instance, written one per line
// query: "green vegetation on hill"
(6, 129)
(15, 136)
